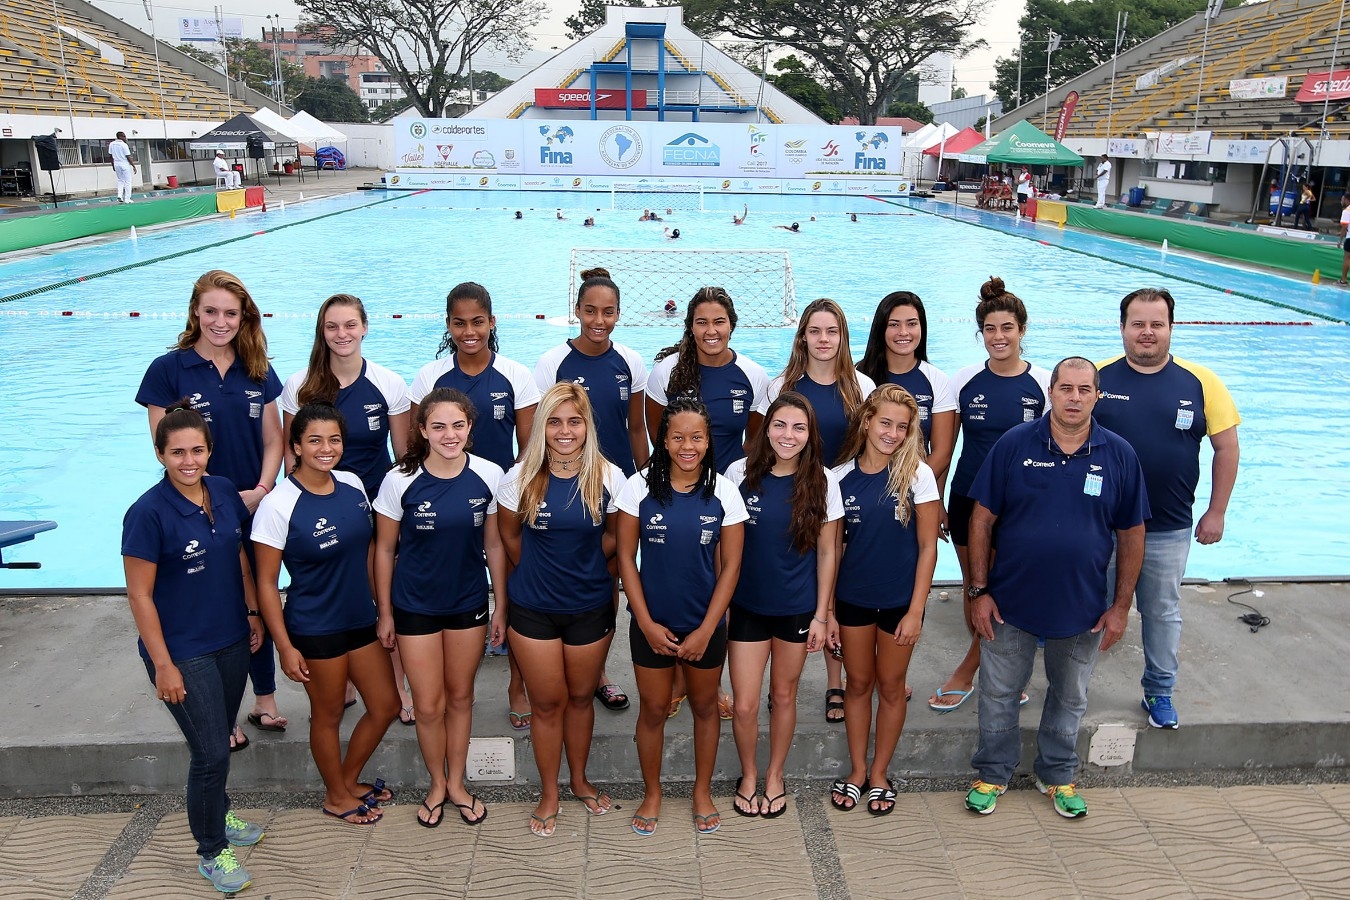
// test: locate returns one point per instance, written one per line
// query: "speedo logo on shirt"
(252, 395)
(374, 407)
(1037, 464)
(478, 501)
(499, 395)
(1030, 401)
(706, 520)
(620, 377)
(1184, 402)
(738, 392)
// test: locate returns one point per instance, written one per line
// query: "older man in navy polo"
(1064, 492)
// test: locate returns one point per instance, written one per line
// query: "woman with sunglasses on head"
(220, 362)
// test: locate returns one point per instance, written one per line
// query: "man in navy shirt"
(1165, 406)
(1061, 488)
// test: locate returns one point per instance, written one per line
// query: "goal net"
(656, 196)
(658, 284)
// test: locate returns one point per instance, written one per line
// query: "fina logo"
(561, 136)
(690, 149)
(875, 142)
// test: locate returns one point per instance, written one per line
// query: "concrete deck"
(81, 717)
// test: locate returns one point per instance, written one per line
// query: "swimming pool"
(74, 447)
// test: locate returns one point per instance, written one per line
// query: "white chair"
(222, 180)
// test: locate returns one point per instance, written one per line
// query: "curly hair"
(476, 293)
(658, 467)
(250, 344)
(418, 445)
(809, 485)
(686, 378)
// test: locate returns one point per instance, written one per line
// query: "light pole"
(1211, 13)
(159, 78)
(1051, 45)
(274, 21)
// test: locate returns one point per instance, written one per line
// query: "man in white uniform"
(223, 170)
(1103, 179)
(123, 165)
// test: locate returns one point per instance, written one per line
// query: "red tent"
(960, 142)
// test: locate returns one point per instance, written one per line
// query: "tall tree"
(427, 44)
(330, 100)
(797, 81)
(865, 48)
(1087, 30)
(591, 16)
(252, 63)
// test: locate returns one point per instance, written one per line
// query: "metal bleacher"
(34, 79)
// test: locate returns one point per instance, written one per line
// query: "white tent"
(314, 131)
(918, 166)
(916, 139)
(265, 116)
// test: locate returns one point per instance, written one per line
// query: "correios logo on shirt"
(580, 379)
(654, 523)
(322, 527)
(193, 550)
(542, 517)
(1037, 464)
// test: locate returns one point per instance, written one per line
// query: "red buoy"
(66, 312)
(134, 314)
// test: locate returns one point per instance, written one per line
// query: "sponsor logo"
(580, 379)
(815, 185)
(691, 149)
(706, 520)
(477, 501)
(621, 147)
(738, 392)
(873, 143)
(804, 630)
(705, 536)
(850, 500)
(1107, 395)
(1092, 468)
(474, 130)
(509, 154)
(483, 182)
(374, 407)
(757, 139)
(620, 377)
(549, 155)
(195, 399)
(444, 151)
(253, 395)
(795, 151)
(830, 150)
(1037, 464)
(424, 510)
(1185, 403)
(753, 498)
(418, 130)
(484, 160)
(1030, 401)
(498, 395)
(576, 182)
(193, 550)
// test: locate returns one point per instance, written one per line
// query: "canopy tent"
(944, 130)
(956, 143)
(1022, 144)
(238, 133)
(314, 131)
(268, 119)
(919, 138)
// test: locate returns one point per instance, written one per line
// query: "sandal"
(363, 811)
(612, 696)
(675, 706)
(437, 811)
(600, 808)
(701, 823)
(771, 813)
(851, 793)
(644, 826)
(834, 702)
(519, 721)
(752, 801)
(547, 825)
(405, 715)
(466, 808)
(260, 721)
(377, 794)
(724, 708)
(238, 740)
(877, 796)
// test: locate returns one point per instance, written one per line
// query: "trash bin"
(1136, 196)
(173, 181)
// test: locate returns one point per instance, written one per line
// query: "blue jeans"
(1158, 597)
(262, 667)
(1005, 669)
(215, 688)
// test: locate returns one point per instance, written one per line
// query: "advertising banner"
(192, 28)
(1259, 88)
(1065, 114)
(1320, 86)
(574, 98)
(1183, 143)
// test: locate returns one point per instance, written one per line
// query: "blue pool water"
(74, 446)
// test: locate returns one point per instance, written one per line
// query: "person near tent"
(1103, 179)
(1025, 190)
(123, 165)
(224, 171)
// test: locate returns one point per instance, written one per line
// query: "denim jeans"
(1158, 597)
(215, 688)
(262, 666)
(1005, 669)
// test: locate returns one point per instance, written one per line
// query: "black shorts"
(643, 655)
(959, 508)
(753, 627)
(331, 646)
(573, 629)
(415, 623)
(850, 616)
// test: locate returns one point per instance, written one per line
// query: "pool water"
(74, 446)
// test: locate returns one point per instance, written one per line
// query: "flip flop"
(834, 700)
(258, 721)
(600, 808)
(464, 809)
(241, 742)
(851, 792)
(771, 813)
(349, 704)
(675, 706)
(411, 719)
(946, 708)
(438, 811)
(724, 708)
(701, 822)
(361, 810)
(519, 721)
(644, 826)
(370, 799)
(752, 801)
(547, 825)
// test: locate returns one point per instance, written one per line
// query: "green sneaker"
(1067, 802)
(224, 872)
(241, 833)
(984, 797)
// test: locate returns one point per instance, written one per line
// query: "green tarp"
(1022, 144)
(23, 232)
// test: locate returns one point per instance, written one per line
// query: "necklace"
(565, 464)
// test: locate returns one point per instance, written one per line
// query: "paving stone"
(1127, 873)
(377, 883)
(1237, 872)
(1111, 822)
(1020, 871)
(1318, 868)
(60, 848)
(902, 873)
(1176, 816)
(1014, 823)
(1281, 813)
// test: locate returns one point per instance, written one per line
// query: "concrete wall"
(368, 146)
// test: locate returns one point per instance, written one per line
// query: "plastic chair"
(222, 180)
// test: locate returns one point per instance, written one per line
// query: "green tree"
(389, 108)
(426, 44)
(483, 81)
(591, 16)
(795, 80)
(251, 62)
(916, 111)
(330, 100)
(864, 48)
(1087, 30)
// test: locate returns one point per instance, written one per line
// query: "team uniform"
(828, 403)
(367, 403)
(776, 594)
(324, 541)
(677, 547)
(232, 406)
(988, 405)
(611, 380)
(881, 554)
(561, 587)
(1165, 416)
(497, 392)
(439, 580)
(731, 392)
(931, 390)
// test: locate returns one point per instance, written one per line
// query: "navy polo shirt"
(931, 390)
(1057, 520)
(439, 571)
(828, 404)
(231, 404)
(881, 553)
(776, 579)
(611, 380)
(989, 405)
(324, 541)
(677, 545)
(199, 584)
(562, 566)
(496, 393)
(1165, 416)
(731, 392)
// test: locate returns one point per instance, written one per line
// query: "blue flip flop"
(944, 708)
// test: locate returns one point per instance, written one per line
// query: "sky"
(998, 29)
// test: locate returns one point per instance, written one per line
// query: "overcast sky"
(973, 73)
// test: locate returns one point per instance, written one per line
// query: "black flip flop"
(749, 800)
(469, 807)
(769, 811)
(438, 811)
(257, 721)
(242, 743)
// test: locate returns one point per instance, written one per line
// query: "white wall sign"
(192, 28)
(1259, 88)
(1183, 143)
(1112, 745)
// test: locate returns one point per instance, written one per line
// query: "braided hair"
(658, 468)
(468, 290)
(686, 379)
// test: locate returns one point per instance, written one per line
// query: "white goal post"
(658, 196)
(655, 286)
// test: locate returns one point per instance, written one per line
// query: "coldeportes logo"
(621, 147)
(691, 149)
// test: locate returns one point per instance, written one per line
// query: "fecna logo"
(691, 149)
(620, 147)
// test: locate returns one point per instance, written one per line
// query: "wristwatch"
(974, 592)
